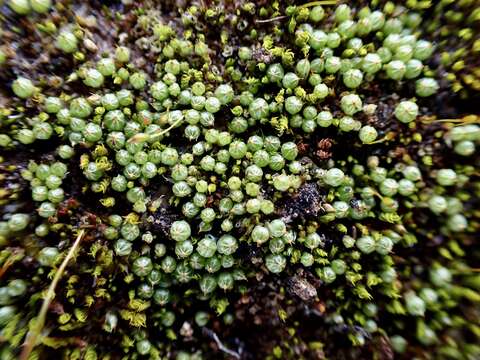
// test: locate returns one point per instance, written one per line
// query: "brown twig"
(282, 17)
(221, 347)
(32, 338)
(12, 259)
(142, 137)
(320, 2)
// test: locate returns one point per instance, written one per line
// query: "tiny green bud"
(23, 87)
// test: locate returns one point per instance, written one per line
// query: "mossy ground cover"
(234, 179)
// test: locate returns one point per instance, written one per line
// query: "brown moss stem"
(320, 2)
(32, 337)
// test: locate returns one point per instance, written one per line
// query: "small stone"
(301, 287)
(90, 45)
